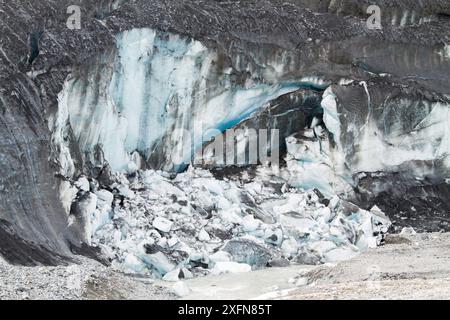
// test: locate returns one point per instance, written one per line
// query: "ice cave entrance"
(159, 84)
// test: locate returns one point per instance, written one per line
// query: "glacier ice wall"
(365, 132)
(159, 95)
(385, 136)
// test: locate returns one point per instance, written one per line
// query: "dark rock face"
(19, 251)
(421, 204)
(34, 36)
(38, 51)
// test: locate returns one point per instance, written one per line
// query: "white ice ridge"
(159, 82)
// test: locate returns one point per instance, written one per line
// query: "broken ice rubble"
(194, 224)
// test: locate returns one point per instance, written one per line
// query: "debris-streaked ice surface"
(194, 224)
(381, 150)
(160, 98)
(329, 154)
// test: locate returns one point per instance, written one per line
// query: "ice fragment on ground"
(162, 224)
(248, 252)
(186, 221)
(340, 254)
(220, 256)
(83, 184)
(172, 276)
(133, 264)
(203, 236)
(408, 231)
(156, 259)
(250, 224)
(126, 192)
(230, 267)
(274, 237)
(289, 247)
(181, 289)
(105, 198)
(279, 263)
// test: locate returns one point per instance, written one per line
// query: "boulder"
(248, 252)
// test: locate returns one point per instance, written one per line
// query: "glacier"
(87, 115)
(383, 142)
(369, 136)
(157, 98)
(162, 96)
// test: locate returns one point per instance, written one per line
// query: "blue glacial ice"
(161, 95)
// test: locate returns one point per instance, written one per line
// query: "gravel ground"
(407, 267)
(87, 281)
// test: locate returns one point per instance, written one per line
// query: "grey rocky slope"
(85, 280)
(262, 42)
